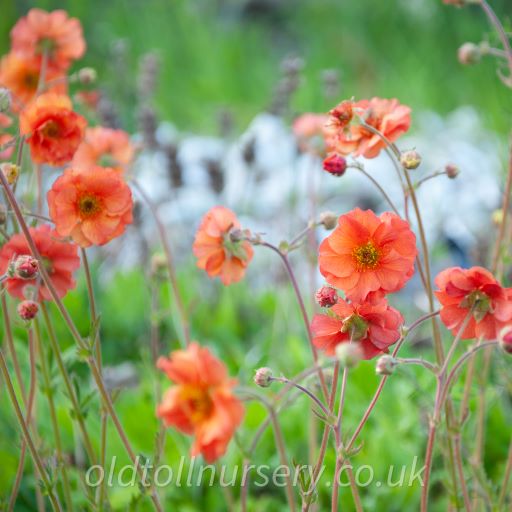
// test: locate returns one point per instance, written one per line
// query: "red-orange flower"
(473, 292)
(91, 207)
(53, 130)
(51, 32)
(21, 76)
(373, 325)
(202, 403)
(104, 147)
(366, 254)
(387, 116)
(60, 260)
(219, 248)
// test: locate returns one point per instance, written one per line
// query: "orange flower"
(307, 128)
(92, 207)
(373, 325)
(474, 290)
(53, 130)
(217, 247)
(366, 254)
(21, 77)
(60, 259)
(387, 116)
(202, 403)
(104, 147)
(54, 32)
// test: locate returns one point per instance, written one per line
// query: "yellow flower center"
(366, 256)
(89, 205)
(50, 129)
(197, 403)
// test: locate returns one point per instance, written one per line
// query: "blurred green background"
(226, 54)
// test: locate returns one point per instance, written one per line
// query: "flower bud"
(236, 235)
(326, 297)
(27, 309)
(505, 339)
(410, 159)
(386, 365)
(10, 171)
(497, 216)
(335, 164)
(452, 171)
(263, 377)
(328, 220)
(24, 267)
(5, 99)
(158, 264)
(87, 76)
(349, 354)
(468, 53)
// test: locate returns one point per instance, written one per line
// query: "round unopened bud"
(27, 309)
(326, 297)
(24, 267)
(410, 159)
(335, 164)
(328, 220)
(505, 339)
(263, 377)
(10, 171)
(497, 216)
(452, 171)
(87, 76)
(236, 235)
(349, 354)
(5, 99)
(158, 264)
(386, 365)
(469, 53)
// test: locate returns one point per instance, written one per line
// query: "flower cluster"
(367, 257)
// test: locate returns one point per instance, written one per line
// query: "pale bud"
(10, 171)
(5, 99)
(263, 377)
(328, 220)
(410, 159)
(452, 171)
(87, 76)
(386, 365)
(349, 354)
(469, 53)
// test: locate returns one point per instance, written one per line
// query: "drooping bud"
(27, 309)
(335, 164)
(469, 53)
(452, 171)
(505, 339)
(328, 220)
(24, 267)
(326, 297)
(386, 365)
(236, 235)
(87, 76)
(410, 159)
(349, 354)
(263, 377)
(5, 99)
(10, 171)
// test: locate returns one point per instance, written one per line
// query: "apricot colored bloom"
(91, 207)
(104, 147)
(52, 32)
(218, 248)
(387, 116)
(202, 402)
(60, 260)
(307, 128)
(473, 291)
(366, 254)
(21, 76)
(373, 325)
(53, 130)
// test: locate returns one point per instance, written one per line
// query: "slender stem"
(303, 311)
(170, 264)
(53, 417)
(28, 438)
(506, 479)
(18, 478)
(68, 384)
(460, 471)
